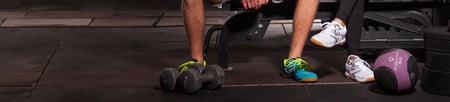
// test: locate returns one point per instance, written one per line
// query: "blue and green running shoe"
(298, 69)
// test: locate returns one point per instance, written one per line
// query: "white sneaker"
(358, 69)
(217, 3)
(277, 1)
(332, 34)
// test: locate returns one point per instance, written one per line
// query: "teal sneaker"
(191, 63)
(298, 69)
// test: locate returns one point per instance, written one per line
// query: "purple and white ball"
(396, 70)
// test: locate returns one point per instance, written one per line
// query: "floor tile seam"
(92, 19)
(90, 22)
(286, 35)
(290, 84)
(50, 58)
(155, 23)
(81, 26)
(208, 97)
(43, 24)
(2, 20)
(308, 93)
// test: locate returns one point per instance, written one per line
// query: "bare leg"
(303, 18)
(194, 20)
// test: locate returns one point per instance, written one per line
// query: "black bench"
(387, 23)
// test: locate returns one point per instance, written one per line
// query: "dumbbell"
(168, 78)
(192, 79)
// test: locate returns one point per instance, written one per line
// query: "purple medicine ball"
(396, 70)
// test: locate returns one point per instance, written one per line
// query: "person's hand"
(254, 4)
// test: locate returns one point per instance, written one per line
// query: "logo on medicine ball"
(397, 61)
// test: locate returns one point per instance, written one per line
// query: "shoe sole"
(306, 80)
(317, 42)
(371, 79)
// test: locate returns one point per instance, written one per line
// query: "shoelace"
(334, 35)
(355, 60)
(297, 62)
(186, 65)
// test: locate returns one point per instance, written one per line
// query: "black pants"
(351, 12)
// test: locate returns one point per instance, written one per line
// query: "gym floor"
(117, 58)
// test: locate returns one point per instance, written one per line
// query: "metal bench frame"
(384, 25)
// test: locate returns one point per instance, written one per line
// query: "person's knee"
(192, 3)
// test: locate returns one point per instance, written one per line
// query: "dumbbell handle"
(206, 77)
(198, 67)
